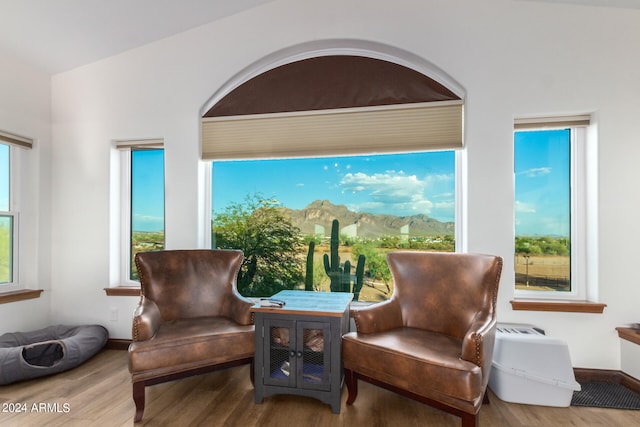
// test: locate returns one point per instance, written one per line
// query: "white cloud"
(450, 205)
(391, 190)
(444, 196)
(535, 172)
(436, 179)
(522, 207)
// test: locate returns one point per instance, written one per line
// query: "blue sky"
(395, 184)
(542, 174)
(147, 190)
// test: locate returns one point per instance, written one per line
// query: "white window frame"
(14, 284)
(124, 148)
(208, 186)
(125, 219)
(583, 239)
(14, 213)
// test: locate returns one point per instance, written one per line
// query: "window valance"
(332, 105)
(552, 122)
(19, 141)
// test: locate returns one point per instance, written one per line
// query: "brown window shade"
(333, 105)
(16, 140)
(399, 128)
(552, 122)
(327, 83)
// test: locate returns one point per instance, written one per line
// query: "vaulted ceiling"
(59, 35)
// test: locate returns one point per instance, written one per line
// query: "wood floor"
(98, 393)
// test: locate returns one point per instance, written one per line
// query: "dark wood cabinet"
(298, 346)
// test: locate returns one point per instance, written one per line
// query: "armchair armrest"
(238, 309)
(379, 317)
(146, 320)
(477, 344)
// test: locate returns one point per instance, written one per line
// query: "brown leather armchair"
(190, 319)
(432, 341)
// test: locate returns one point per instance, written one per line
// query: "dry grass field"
(543, 272)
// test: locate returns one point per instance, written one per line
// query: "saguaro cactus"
(308, 278)
(332, 265)
(357, 285)
(341, 276)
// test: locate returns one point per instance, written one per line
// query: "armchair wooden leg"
(470, 420)
(138, 399)
(352, 385)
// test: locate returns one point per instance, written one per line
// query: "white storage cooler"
(529, 367)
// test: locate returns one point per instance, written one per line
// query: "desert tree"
(270, 242)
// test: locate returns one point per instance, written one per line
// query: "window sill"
(558, 305)
(629, 334)
(20, 295)
(123, 291)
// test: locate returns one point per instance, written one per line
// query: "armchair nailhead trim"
(478, 340)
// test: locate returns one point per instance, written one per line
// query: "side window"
(7, 223)
(550, 219)
(543, 210)
(142, 219)
(12, 150)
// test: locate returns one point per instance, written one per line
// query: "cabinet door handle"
(299, 354)
(292, 353)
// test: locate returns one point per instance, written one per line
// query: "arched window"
(374, 121)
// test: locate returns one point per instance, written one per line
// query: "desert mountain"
(323, 212)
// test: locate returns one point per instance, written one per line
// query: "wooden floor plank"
(98, 394)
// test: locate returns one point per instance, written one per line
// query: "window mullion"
(578, 213)
(125, 216)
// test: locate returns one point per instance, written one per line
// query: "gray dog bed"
(27, 355)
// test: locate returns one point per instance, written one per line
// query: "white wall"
(512, 57)
(25, 109)
(630, 358)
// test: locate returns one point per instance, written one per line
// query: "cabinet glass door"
(279, 352)
(312, 354)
